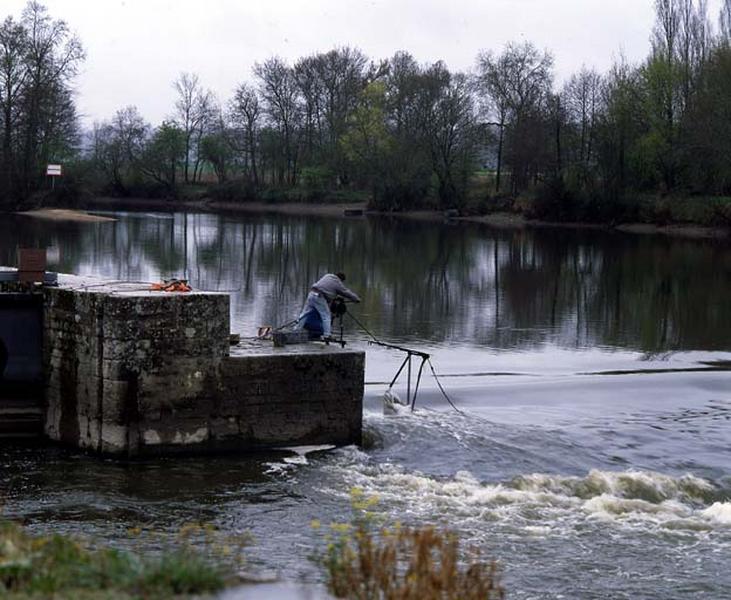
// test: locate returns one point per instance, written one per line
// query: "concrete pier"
(131, 372)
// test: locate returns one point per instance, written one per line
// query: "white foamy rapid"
(719, 512)
(539, 504)
(299, 458)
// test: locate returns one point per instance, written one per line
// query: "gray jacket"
(330, 286)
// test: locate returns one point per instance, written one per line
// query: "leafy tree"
(406, 172)
(518, 83)
(367, 141)
(164, 155)
(451, 133)
(620, 126)
(708, 127)
(216, 149)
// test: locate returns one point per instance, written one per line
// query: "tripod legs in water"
(410, 399)
(418, 380)
(390, 398)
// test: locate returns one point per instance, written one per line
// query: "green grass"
(241, 191)
(59, 567)
(704, 211)
(699, 210)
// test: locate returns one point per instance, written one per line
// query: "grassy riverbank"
(687, 216)
(496, 214)
(59, 567)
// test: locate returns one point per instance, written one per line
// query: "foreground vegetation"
(364, 561)
(58, 567)
(405, 135)
(405, 564)
(361, 561)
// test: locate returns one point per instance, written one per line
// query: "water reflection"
(442, 283)
(523, 473)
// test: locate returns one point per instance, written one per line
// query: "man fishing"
(322, 293)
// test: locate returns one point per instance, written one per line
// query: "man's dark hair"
(340, 275)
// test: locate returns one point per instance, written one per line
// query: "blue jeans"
(317, 302)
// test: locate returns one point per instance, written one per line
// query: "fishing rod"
(407, 363)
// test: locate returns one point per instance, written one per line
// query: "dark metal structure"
(21, 364)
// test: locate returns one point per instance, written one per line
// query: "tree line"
(39, 58)
(405, 132)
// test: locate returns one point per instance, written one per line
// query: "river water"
(592, 453)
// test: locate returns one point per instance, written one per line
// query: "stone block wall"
(72, 367)
(110, 356)
(309, 398)
(140, 374)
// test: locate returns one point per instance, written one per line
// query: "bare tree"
(491, 83)
(310, 88)
(193, 110)
(680, 46)
(279, 91)
(401, 92)
(725, 21)
(666, 29)
(680, 42)
(209, 110)
(692, 47)
(53, 55)
(581, 97)
(244, 114)
(13, 77)
(117, 147)
(39, 57)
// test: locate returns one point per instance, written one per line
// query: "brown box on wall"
(31, 264)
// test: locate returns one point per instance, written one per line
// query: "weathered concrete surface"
(131, 372)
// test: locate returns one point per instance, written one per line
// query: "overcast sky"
(136, 48)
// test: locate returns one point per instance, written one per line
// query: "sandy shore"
(510, 220)
(516, 221)
(689, 231)
(66, 214)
